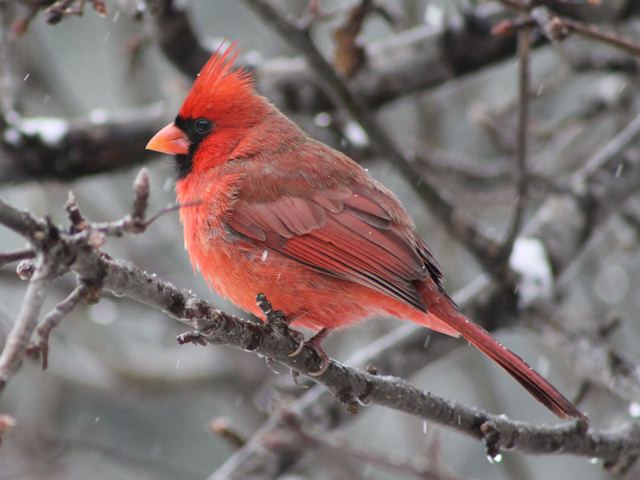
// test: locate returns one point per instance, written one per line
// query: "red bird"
(276, 212)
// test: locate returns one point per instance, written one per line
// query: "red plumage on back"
(282, 214)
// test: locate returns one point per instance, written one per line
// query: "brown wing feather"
(342, 234)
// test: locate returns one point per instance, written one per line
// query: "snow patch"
(50, 130)
(529, 259)
(98, 116)
(434, 15)
(12, 136)
(356, 134)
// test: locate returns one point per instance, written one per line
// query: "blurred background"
(122, 400)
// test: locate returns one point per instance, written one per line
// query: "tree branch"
(16, 344)
(53, 148)
(350, 386)
(522, 174)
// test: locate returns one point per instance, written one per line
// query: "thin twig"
(563, 27)
(16, 256)
(222, 428)
(292, 425)
(631, 214)
(18, 339)
(55, 316)
(593, 357)
(558, 28)
(521, 177)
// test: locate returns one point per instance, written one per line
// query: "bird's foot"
(295, 376)
(192, 336)
(271, 365)
(277, 320)
(315, 344)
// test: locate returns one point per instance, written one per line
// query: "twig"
(292, 425)
(522, 176)
(134, 222)
(18, 339)
(20, 222)
(558, 28)
(10, 257)
(593, 358)
(53, 258)
(67, 149)
(221, 427)
(561, 28)
(62, 8)
(55, 316)
(7, 422)
(631, 214)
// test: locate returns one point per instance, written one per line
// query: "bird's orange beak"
(170, 140)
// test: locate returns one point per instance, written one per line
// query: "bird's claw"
(315, 344)
(271, 365)
(277, 320)
(193, 336)
(298, 337)
(295, 376)
(325, 361)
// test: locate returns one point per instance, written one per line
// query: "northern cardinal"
(276, 212)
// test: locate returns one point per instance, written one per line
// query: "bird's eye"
(202, 126)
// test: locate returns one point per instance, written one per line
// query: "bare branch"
(20, 335)
(16, 256)
(631, 214)
(44, 148)
(53, 318)
(177, 38)
(19, 221)
(561, 28)
(522, 174)
(352, 386)
(221, 427)
(292, 426)
(594, 359)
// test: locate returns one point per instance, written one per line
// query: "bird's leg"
(315, 344)
(277, 320)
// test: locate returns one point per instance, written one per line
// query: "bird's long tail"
(446, 312)
(535, 383)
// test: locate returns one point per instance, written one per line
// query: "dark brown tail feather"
(540, 388)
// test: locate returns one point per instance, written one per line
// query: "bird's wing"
(341, 233)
